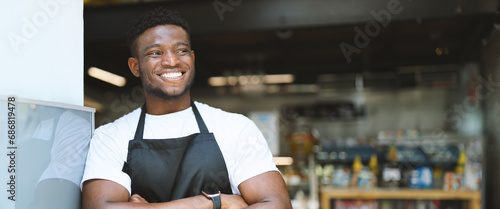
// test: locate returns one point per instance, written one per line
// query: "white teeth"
(171, 75)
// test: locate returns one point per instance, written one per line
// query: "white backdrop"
(41, 49)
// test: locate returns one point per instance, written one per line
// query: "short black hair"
(151, 19)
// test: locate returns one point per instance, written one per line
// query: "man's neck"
(159, 106)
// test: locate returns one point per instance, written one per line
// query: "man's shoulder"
(219, 114)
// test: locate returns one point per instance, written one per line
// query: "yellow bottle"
(457, 182)
(356, 167)
(373, 164)
(393, 153)
(461, 162)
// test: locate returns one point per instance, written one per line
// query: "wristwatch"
(215, 198)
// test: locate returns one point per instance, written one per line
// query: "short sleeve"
(253, 156)
(106, 156)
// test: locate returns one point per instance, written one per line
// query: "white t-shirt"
(243, 146)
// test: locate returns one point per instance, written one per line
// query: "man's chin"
(164, 95)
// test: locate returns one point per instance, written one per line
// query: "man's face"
(164, 62)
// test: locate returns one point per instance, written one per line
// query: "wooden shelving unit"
(473, 198)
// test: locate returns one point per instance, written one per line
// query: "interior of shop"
(364, 104)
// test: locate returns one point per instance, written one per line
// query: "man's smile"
(171, 75)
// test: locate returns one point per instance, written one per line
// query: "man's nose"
(170, 59)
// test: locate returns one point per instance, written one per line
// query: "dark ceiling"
(300, 37)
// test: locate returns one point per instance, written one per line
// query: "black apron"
(163, 170)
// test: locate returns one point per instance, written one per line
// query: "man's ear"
(133, 65)
(192, 54)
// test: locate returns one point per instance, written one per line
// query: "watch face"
(214, 195)
(211, 195)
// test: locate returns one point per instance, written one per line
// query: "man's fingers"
(135, 198)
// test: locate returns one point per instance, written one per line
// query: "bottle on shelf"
(459, 171)
(453, 180)
(302, 139)
(341, 177)
(373, 166)
(356, 169)
(438, 177)
(391, 174)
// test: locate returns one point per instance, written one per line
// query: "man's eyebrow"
(157, 45)
(182, 43)
(150, 46)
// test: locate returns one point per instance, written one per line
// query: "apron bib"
(163, 170)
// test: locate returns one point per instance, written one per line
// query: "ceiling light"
(254, 79)
(107, 77)
(232, 81)
(250, 79)
(279, 78)
(282, 161)
(243, 80)
(217, 81)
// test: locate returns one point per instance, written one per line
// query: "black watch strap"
(215, 199)
(217, 203)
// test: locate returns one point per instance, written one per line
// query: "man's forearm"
(105, 194)
(270, 204)
(196, 202)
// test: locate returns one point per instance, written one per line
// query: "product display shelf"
(471, 198)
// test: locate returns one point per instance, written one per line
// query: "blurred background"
(357, 98)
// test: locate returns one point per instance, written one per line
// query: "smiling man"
(173, 152)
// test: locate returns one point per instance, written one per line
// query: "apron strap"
(139, 132)
(201, 124)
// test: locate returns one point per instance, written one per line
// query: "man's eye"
(182, 51)
(155, 53)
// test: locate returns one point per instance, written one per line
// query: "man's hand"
(135, 198)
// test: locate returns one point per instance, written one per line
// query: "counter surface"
(472, 197)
